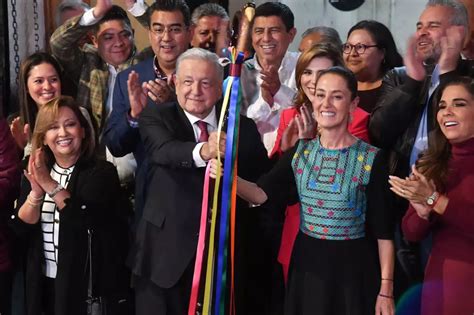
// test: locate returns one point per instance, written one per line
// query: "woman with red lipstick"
(65, 193)
(441, 202)
(370, 52)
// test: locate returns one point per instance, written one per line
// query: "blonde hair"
(47, 115)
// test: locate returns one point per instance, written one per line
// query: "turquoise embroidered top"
(331, 186)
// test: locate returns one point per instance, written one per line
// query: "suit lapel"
(187, 128)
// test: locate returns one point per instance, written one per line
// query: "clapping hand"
(270, 83)
(305, 123)
(301, 126)
(414, 61)
(137, 94)
(451, 47)
(158, 90)
(35, 173)
(416, 189)
(20, 132)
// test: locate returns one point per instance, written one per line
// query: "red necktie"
(204, 136)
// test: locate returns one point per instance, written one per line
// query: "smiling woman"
(39, 82)
(342, 261)
(67, 194)
(369, 52)
(441, 203)
(319, 57)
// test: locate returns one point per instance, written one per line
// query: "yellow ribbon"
(210, 257)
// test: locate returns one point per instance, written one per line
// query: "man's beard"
(433, 56)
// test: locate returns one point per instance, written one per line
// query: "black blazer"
(167, 235)
(94, 204)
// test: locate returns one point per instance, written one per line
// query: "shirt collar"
(112, 69)
(158, 72)
(210, 119)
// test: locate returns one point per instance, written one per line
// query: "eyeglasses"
(171, 30)
(359, 48)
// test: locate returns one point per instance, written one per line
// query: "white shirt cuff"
(138, 9)
(88, 18)
(260, 110)
(198, 160)
(284, 97)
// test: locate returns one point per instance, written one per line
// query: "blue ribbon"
(229, 160)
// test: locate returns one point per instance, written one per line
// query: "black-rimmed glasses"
(359, 48)
(171, 30)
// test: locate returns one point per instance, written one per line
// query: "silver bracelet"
(58, 188)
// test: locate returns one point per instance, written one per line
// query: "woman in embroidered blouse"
(343, 257)
(67, 193)
(319, 57)
(441, 202)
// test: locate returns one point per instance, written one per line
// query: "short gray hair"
(459, 16)
(328, 34)
(68, 5)
(208, 9)
(203, 55)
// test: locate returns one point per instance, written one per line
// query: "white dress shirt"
(255, 107)
(88, 18)
(211, 121)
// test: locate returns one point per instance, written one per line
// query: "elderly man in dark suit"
(179, 139)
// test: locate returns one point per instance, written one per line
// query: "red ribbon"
(235, 70)
(201, 245)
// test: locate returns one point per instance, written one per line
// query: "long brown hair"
(46, 116)
(434, 161)
(322, 49)
(28, 107)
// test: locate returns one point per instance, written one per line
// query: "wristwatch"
(431, 200)
(55, 191)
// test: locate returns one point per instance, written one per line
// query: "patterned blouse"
(50, 222)
(331, 186)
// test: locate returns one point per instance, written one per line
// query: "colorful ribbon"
(211, 253)
(229, 167)
(227, 210)
(201, 245)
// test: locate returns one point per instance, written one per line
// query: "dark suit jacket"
(168, 232)
(395, 120)
(94, 204)
(119, 136)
